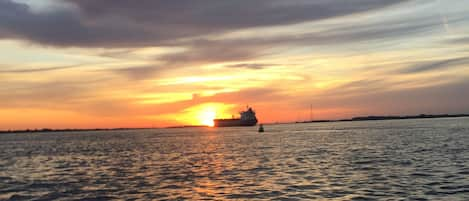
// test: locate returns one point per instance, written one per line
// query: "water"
(380, 160)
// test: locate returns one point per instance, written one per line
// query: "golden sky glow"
(108, 64)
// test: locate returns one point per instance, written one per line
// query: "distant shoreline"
(367, 118)
(48, 130)
(377, 118)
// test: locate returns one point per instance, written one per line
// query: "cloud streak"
(38, 70)
(254, 66)
(436, 65)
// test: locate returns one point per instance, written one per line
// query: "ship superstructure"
(247, 118)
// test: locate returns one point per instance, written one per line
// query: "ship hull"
(234, 122)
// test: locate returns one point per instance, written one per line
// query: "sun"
(207, 116)
(204, 114)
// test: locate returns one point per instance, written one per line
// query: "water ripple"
(383, 160)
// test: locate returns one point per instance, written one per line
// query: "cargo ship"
(247, 118)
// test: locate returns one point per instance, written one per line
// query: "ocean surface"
(426, 159)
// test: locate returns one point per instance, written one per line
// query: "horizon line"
(358, 118)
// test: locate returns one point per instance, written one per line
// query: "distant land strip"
(48, 130)
(366, 118)
(375, 118)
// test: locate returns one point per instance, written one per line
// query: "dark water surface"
(377, 160)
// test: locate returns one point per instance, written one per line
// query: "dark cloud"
(208, 51)
(361, 87)
(139, 72)
(357, 88)
(386, 30)
(64, 27)
(152, 22)
(37, 70)
(435, 65)
(255, 66)
(223, 15)
(196, 55)
(58, 27)
(460, 40)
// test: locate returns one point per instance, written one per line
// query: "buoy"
(261, 128)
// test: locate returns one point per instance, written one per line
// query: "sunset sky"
(156, 63)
